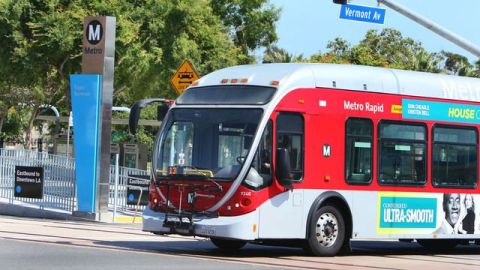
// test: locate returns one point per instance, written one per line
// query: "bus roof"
(351, 77)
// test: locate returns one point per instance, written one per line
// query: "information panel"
(86, 98)
(28, 182)
(135, 184)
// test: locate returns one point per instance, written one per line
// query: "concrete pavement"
(21, 209)
(129, 237)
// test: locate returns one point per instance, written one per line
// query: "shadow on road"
(359, 248)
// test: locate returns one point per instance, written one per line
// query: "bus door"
(283, 213)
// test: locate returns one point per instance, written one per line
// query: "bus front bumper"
(244, 227)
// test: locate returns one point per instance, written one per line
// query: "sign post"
(96, 85)
(184, 76)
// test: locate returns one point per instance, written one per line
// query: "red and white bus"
(319, 155)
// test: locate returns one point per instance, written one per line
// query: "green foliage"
(41, 41)
(13, 127)
(251, 23)
(41, 44)
(154, 37)
(458, 64)
(274, 54)
(387, 48)
(145, 137)
(120, 136)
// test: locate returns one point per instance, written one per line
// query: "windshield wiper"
(185, 176)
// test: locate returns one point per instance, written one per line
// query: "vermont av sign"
(363, 14)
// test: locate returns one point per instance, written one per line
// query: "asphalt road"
(47, 244)
(18, 255)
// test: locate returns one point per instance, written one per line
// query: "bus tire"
(326, 232)
(438, 244)
(227, 244)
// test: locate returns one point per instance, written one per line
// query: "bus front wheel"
(326, 231)
(228, 245)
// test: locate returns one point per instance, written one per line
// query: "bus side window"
(454, 156)
(290, 135)
(358, 151)
(402, 153)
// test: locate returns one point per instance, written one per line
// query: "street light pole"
(448, 35)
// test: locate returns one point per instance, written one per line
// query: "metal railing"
(59, 178)
(59, 189)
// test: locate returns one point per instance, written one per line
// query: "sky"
(306, 26)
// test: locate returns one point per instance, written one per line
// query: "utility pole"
(448, 35)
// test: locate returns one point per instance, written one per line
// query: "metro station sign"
(184, 76)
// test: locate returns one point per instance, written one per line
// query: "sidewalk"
(70, 231)
(21, 209)
(87, 234)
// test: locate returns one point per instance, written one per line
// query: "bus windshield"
(205, 143)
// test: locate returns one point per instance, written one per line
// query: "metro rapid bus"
(318, 155)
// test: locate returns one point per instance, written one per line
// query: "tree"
(154, 37)
(39, 37)
(340, 52)
(41, 46)
(457, 64)
(339, 47)
(477, 69)
(428, 62)
(385, 49)
(251, 23)
(274, 54)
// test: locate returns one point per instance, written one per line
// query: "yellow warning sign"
(185, 75)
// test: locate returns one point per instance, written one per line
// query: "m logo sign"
(94, 32)
(327, 151)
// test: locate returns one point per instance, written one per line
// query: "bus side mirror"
(134, 116)
(282, 168)
(162, 111)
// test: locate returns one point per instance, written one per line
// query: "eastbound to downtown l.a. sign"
(28, 182)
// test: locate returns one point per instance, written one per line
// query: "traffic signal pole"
(448, 35)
